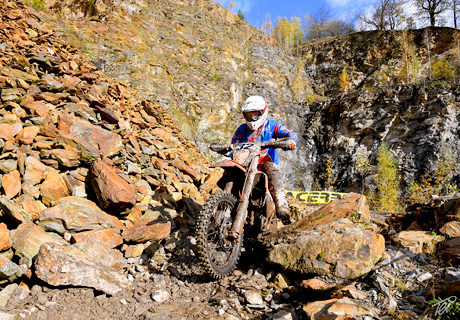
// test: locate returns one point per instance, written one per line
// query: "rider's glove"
(288, 144)
(291, 146)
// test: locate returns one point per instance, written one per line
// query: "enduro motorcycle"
(244, 205)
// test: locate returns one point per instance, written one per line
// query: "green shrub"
(38, 4)
(442, 69)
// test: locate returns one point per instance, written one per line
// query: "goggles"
(252, 115)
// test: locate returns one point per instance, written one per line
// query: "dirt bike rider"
(259, 128)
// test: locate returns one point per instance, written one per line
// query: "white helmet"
(254, 111)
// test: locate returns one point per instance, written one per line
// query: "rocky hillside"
(194, 58)
(80, 153)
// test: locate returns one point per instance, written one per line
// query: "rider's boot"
(282, 206)
(276, 187)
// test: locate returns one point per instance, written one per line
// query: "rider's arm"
(281, 132)
(239, 136)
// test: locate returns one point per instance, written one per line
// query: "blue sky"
(256, 10)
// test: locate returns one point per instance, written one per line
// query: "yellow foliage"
(387, 181)
(344, 80)
(288, 32)
(328, 175)
(437, 184)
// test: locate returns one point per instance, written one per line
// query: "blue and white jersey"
(271, 129)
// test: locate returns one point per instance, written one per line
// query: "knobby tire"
(217, 255)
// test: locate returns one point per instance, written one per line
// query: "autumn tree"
(267, 25)
(316, 24)
(322, 25)
(338, 27)
(231, 5)
(288, 33)
(431, 9)
(383, 15)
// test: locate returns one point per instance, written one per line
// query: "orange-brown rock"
(335, 309)
(314, 284)
(451, 229)
(53, 188)
(111, 189)
(5, 131)
(135, 216)
(351, 206)
(28, 134)
(11, 184)
(342, 248)
(28, 238)
(5, 240)
(187, 170)
(13, 210)
(149, 229)
(77, 214)
(132, 251)
(108, 143)
(417, 241)
(32, 207)
(109, 237)
(68, 158)
(86, 151)
(211, 181)
(449, 251)
(100, 253)
(34, 171)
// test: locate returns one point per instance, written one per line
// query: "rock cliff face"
(416, 121)
(199, 62)
(396, 94)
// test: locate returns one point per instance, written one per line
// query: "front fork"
(242, 211)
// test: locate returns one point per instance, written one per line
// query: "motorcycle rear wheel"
(217, 253)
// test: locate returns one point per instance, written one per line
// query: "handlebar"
(223, 148)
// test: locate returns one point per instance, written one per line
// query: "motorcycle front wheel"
(218, 254)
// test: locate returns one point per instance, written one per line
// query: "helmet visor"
(252, 115)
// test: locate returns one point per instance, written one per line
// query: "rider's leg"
(276, 187)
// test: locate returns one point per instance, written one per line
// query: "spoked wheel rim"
(219, 246)
(218, 253)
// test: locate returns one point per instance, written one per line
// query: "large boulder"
(342, 249)
(417, 241)
(77, 214)
(59, 265)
